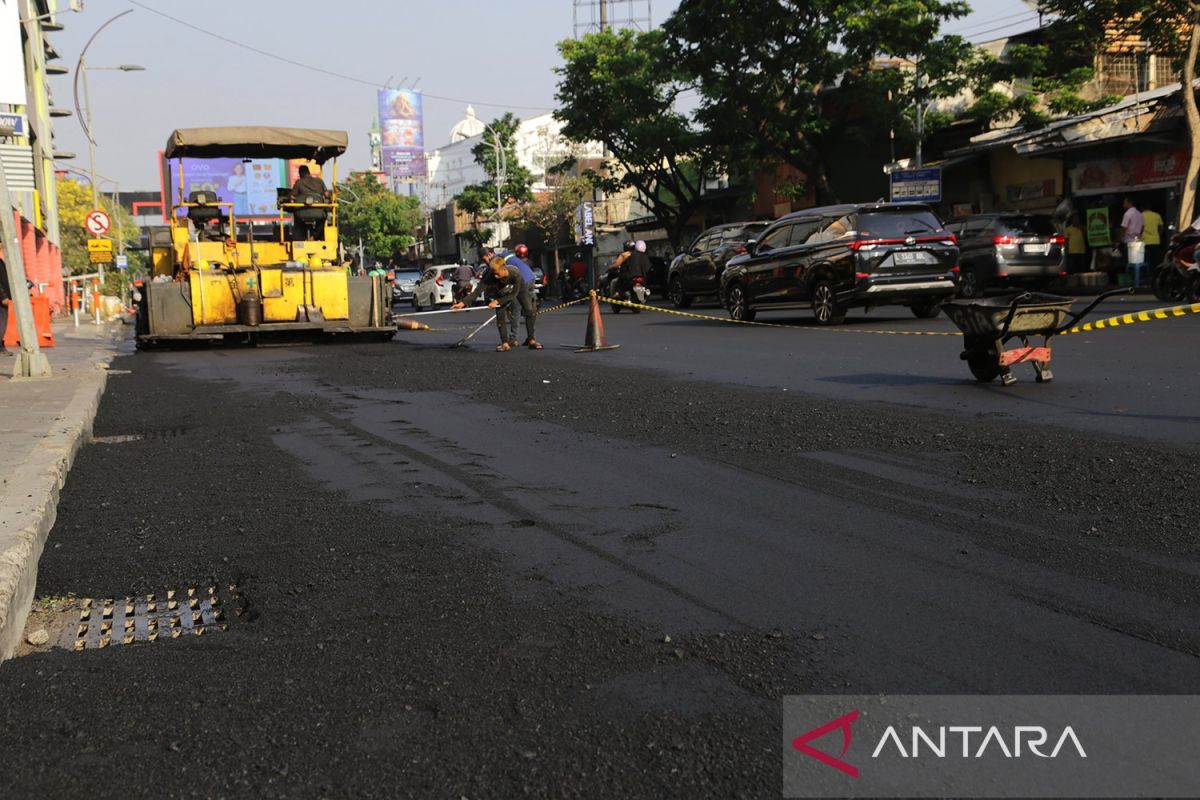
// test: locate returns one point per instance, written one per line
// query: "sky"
(496, 56)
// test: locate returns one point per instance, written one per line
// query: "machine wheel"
(825, 305)
(739, 307)
(968, 283)
(926, 310)
(616, 309)
(678, 298)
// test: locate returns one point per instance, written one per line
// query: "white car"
(435, 288)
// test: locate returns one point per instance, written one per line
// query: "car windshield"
(895, 224)
(1026, 226)
(408, 275)
(748, 232)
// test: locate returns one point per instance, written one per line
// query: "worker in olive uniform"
(507, 289)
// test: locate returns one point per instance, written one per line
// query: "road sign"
(97, 223)
(100, 246)
(917, 185)
(122, 262)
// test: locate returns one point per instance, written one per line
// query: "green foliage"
(552, 215)
(74, 203)
(620, 88)
(763, 80)
(385, 222)
(480, 198)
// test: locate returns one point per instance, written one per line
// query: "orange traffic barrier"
(41, 320)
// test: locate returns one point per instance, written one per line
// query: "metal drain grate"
(151, 617)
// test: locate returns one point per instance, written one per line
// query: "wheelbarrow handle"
(1091, 306)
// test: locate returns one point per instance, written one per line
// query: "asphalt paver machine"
(218, 275)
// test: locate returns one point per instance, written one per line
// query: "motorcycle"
(637, 293)
(1177, 278)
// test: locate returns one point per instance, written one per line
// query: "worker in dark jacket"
(507, 289)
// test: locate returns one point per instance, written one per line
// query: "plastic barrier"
(41, 320)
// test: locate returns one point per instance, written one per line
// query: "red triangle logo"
(801, 743)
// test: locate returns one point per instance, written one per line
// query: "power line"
(310, 67)
(1000, 28)
(971, 25)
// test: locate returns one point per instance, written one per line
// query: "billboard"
(917, 185)
(402, 133)
(248, 184)
(12, 55)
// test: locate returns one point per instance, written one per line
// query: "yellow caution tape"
(822, 329)
(1135, 319)
(561, 306)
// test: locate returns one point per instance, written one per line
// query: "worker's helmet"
(522, 250)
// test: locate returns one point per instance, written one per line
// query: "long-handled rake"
(463, 341)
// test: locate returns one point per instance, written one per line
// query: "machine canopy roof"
(249, 141)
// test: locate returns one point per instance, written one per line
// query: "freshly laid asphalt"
(552, 574)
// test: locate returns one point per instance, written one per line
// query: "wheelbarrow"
(988, 324)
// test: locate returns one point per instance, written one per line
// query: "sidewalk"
(43, 423)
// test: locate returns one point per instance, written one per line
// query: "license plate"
(1035, 249)
(917, 257)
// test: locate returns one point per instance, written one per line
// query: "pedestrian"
(508, 291)
(518, 261)
(1152, 228)
(5, 298)
(1076, 245)
(1131, 225)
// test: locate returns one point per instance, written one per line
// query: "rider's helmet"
(522, 251)
(640, 246)
(629, 246)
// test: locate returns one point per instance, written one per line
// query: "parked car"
(839, 257)
(403, 283)
(697, 270)
(1006, 249)
(435, 288)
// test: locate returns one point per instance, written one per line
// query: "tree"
(1167, 27)
(621, 88)
(763, 86)
(385, 222)
(480, 198)
(74, 203)
(551, 217)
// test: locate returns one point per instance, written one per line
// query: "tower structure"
(592, 16)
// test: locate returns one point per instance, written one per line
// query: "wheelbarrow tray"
(985, 317)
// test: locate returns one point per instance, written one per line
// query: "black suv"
(697, 270)
(838, 257)
(1007, 249)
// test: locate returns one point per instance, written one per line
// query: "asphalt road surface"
(474, 574)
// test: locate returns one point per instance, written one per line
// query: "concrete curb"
(38, 486)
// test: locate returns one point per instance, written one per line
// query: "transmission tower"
(592, 16)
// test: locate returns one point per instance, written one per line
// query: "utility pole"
(603, 15)
(31, 361)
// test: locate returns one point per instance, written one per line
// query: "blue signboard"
(17, 122)
(917, 185)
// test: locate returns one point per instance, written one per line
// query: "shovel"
(463, 341)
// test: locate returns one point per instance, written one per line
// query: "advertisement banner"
(1099, 230)
(249, 185)
(402, 135)
(1141, 171)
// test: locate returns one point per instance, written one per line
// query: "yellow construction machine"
(270, 271)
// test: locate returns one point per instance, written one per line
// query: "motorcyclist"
(464, 277)
(634, 271)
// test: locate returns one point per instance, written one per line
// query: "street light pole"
(501, 170)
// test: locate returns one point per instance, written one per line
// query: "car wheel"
(968, 283)
(825, 305)
(738, 304)
(927, 310)
(678, 298)
(416, 304)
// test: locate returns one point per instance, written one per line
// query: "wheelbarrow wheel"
(983, 361)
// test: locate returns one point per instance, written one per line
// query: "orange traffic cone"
(594, 339)
(410, 324)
